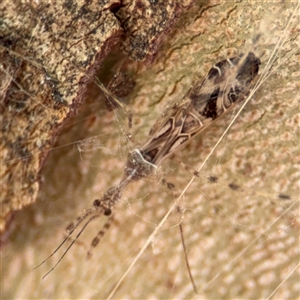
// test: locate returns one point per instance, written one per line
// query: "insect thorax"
(137, 166)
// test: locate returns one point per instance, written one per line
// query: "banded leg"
(171, 187)
(68, 235)
(91, 214)
(99, 235)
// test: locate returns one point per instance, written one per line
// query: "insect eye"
(107, 212)
(96, 203)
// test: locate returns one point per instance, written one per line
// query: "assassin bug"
(226, 85)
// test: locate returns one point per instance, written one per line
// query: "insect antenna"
(70, 230)
(66, 251)
(65, 239)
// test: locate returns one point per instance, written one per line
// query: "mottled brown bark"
(48, 53)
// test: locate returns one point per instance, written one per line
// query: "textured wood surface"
(49, 52)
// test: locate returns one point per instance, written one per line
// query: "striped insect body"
(227, 83)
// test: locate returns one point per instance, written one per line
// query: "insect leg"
(99, 235)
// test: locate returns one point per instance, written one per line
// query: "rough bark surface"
(242, 242)
(49, 52)
(145, 23)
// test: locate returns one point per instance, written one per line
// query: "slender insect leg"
(119, 86)
(69, 247)
(184, 165)
(171, 187)
(99, 235)
(70, 228)
(73, 225)
(186, 258)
